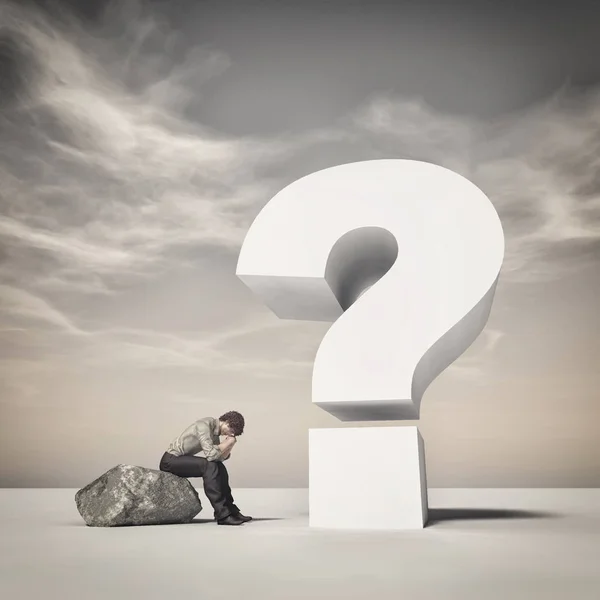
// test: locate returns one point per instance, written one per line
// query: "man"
(202, 439)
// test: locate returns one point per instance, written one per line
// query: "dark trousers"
(214, 478)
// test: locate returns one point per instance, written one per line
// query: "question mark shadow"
(437, 516)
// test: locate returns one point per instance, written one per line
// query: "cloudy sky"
(138, 141)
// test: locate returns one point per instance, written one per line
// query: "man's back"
(202, 433)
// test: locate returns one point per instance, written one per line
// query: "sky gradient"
(138, 141)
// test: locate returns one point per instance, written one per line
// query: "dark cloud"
(105, 179)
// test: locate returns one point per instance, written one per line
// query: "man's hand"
(229, 443)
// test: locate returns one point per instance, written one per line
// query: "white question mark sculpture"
(423, 247)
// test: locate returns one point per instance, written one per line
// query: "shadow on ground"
(82, 524)
(439, 515)
(253, 520)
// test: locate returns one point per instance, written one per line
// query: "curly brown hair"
(235, 420)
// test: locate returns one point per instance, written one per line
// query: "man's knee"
(211, 468)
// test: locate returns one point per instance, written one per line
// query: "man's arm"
(212, 451)
(227, 451)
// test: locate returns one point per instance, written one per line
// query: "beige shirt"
(200, 438)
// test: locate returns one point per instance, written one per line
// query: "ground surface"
(479, 545)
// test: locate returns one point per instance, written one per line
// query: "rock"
(130, 495)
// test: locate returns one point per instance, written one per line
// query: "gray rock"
(130, 495)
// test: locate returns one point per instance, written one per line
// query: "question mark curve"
(403, 255)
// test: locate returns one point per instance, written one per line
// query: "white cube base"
(367, 478)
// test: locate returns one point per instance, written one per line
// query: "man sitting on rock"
(202, 439)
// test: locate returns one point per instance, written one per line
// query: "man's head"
(232, 423)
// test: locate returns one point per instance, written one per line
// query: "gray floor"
(479, 544)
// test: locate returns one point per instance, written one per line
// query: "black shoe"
(231, 520)
(244, 518)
